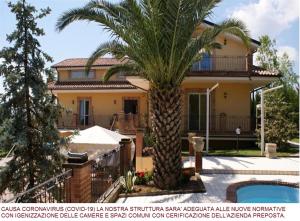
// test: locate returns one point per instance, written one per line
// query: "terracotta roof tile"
(81, 62)
(263, 72)
(89, 85)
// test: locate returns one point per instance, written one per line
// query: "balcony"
(124, 123)
(128, 123)
(223, 63)
(219, 124)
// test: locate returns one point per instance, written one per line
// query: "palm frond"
(76, 15)
(124, 69)
(115, 48)
(158, 36)
(92, 15)
(230, 26)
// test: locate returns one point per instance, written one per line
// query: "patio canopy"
(97, 140)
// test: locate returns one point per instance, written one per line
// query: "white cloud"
(269, 17)
(292, 52)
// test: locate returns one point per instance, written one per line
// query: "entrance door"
(84, 109)
(130, 106)
(196, 111)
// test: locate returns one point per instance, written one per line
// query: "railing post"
(139, 142)
(79, 188)
(198, 161)
(130, 122)
(74, 121)
(249, 62)
(121, 121)
(125, 156)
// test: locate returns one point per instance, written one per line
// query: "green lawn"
(254, 152)
(296, 140)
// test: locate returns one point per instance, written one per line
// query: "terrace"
(223, 63)
(124, 123)
(128, 123)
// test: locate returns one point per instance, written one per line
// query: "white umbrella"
(97, 140)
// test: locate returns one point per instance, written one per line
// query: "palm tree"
(156, 40)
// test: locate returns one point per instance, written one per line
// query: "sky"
(277, 18)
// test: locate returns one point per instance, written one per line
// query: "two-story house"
(122, 103)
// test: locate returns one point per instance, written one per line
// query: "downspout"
(208, 91)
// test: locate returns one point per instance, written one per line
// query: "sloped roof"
(263, 72)
(81, 62)
(89, 85)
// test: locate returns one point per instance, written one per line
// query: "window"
(130, 106)
(197, 111)
(205, 64)
(84, 107)
(82, 75)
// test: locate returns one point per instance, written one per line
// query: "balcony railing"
(54, 190)
(124, 123)
(219, 124)
(105, 170)
(128, 123)
(223, 63)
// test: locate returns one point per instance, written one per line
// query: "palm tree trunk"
(166, 122)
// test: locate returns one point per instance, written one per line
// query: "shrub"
(149, 139)
(143, 178)
(279, 125)
(148, 176)
(128, 182)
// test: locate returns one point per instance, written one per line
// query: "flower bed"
(146, 187)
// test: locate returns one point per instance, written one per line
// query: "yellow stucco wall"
(143, 164)
(231, 48)
(104, 105)
(64, 75)
(237, 101)
(229, 99)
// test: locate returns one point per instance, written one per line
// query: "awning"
(97, 140)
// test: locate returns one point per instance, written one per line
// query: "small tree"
(267, 54)
(278, 125)
(28, 112)
(281, 106)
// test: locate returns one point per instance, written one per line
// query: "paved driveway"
(247, 163)
(216, 184)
